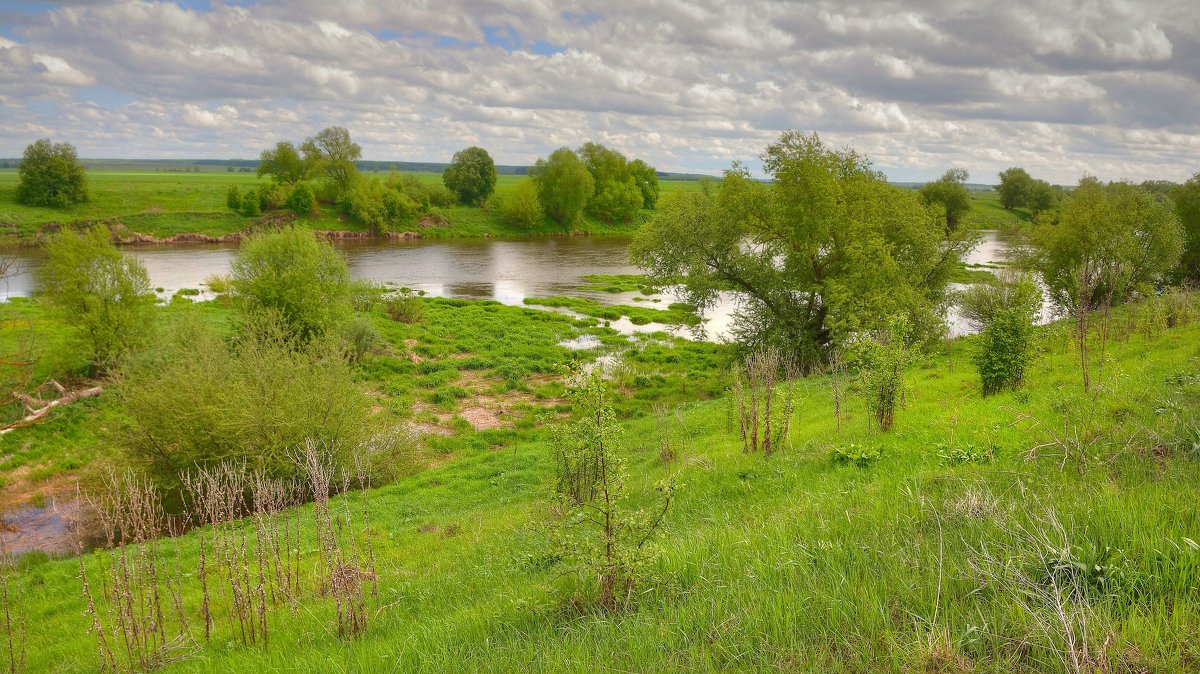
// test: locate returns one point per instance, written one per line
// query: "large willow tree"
(823, 251)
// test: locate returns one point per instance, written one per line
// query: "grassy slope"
(164, 204)
(788, 563)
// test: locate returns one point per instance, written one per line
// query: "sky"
(1062, 88)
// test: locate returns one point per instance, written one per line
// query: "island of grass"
(675, 314)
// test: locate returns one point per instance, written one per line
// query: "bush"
(564, 185)
(200, 401)
(854, 455)
(379, 207)
(1004, 310)
(404, 307)
(51, 175)
(882, 360)
(291, 274)
(522, 209)
(233, 198)
(302, 200)
(101, 293)
(441, 197)
(616, 201)
(251, 204)
(360, 338)
(274, 198)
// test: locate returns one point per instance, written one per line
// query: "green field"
(975, 542)
(163, 204)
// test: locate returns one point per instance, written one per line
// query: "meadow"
(163, 204)
(1038, 530)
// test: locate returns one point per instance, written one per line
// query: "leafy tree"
(564, 185)
(283, 164)
(522, 209)
(950, 192)
(599, 530)
(1101, 245)
(101, 293)
(647, 181)
(1041, 196)
(827, 250)
(291, 274)
(233, 198)
(1187, 209)
(51, 175)
(200, 400)
(332, 154)
(1004, 311)
(471, 176)
(616, 196)
(302, 200)
(1014, 188)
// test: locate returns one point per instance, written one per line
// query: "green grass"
(791, 563)
(163, 204)
(987, 213)
(675, 314)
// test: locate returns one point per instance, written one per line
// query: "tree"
(616, 196)
(1014, 188)
(302, 200)
(283, 164)
(332, 154)
(101, 293)
(51, 175)
(599, 530)
(522, 209)
(950, 192)
(289, 273)
(1187, 208)
(471, 176)
(825, 251)
(564, 185)
(647, 181)
(1100, 246)
(1041, 196)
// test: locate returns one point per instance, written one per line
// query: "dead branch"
(37, 413)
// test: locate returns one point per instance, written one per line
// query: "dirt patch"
(20, 491)
(482, 418)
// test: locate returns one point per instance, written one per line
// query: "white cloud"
(1101, 86)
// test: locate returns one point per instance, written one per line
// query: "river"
(505, 270)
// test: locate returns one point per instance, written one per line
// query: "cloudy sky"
(1061, 87)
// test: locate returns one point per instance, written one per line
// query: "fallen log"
(36, 415)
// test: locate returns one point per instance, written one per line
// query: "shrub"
(233, 198)
(882, 360)
(101, 293)
(200, 401)
(360, 339)
(377, 206)
(404, 307)
(274, 198)
(251, 204)
(522, 209)
(440, 196)
(616, 201)
(599, 531)
(1005, 310)
(293, 275)
(302, 200)
(51, 175)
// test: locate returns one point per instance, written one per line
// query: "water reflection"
(507, 271)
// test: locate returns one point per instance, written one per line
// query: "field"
(1042, 530)
(162, 204)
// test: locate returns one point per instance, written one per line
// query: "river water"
(505, 270)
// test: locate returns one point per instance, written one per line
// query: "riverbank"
(190, 208)
(1011, 533)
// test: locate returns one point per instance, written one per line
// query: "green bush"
(302, 200)
(404, 307)
(199, 400)
(273, 198)
(233, 198)
(379, 207)
(522, 209)
(291, 274)
(251, 204)
(360, 338)
(101, 293)
(882, 360)
(1005, 310)
(854, 455)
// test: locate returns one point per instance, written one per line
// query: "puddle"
(582, 343)
(54, 528)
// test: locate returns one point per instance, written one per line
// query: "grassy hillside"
(163, 204)
(1042, 530)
